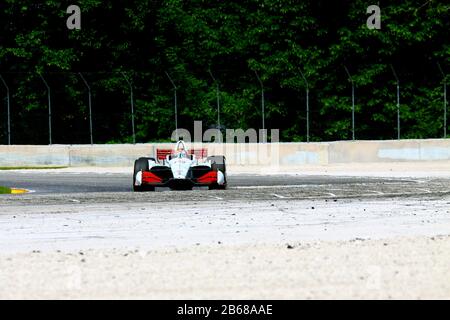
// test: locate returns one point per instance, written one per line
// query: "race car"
(180, 169)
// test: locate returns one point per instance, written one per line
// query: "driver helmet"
(181, 151)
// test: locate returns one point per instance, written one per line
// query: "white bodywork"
(179, 163)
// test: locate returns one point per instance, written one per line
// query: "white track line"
(377, 192)
(271, 187)
(278, 196)
(422, 189)
(331, 194)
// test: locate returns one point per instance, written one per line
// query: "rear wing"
(201, 153)
(162, 153)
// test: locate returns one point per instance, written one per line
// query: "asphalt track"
(74, 210)
(62, 183)
(420, 206)
(87, 235)
(54, 187)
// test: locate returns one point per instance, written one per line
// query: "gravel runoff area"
(343, 239)
(399, 268)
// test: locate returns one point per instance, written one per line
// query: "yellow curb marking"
(18, 191)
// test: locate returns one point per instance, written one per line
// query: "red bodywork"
(208, 178)
(150, 178)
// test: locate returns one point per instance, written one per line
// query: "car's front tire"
(141, 164)
(218, 164)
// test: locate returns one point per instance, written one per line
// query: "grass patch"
(28, 168)
(4, 190)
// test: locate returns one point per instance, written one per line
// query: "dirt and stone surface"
(83, 234)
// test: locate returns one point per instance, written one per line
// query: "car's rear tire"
(218, 164)
(141, 164)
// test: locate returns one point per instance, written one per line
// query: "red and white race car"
(180, 169)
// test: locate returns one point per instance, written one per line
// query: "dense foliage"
(146, 38)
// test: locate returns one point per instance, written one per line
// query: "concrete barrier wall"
(274, 154)
(387, 151)
(17, 156)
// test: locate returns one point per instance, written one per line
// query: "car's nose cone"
(180, 168)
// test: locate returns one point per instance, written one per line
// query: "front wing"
(196, 177)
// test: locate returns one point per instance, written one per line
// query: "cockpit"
(180, 152)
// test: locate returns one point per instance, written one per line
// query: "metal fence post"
(444, 76)
(217, 98)
(49, 109)
(262, 105)
(132, 106)
(353, 102)
(90, 106)
(398, 102)
(175, 103)
(307, 104)
(8, 109)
